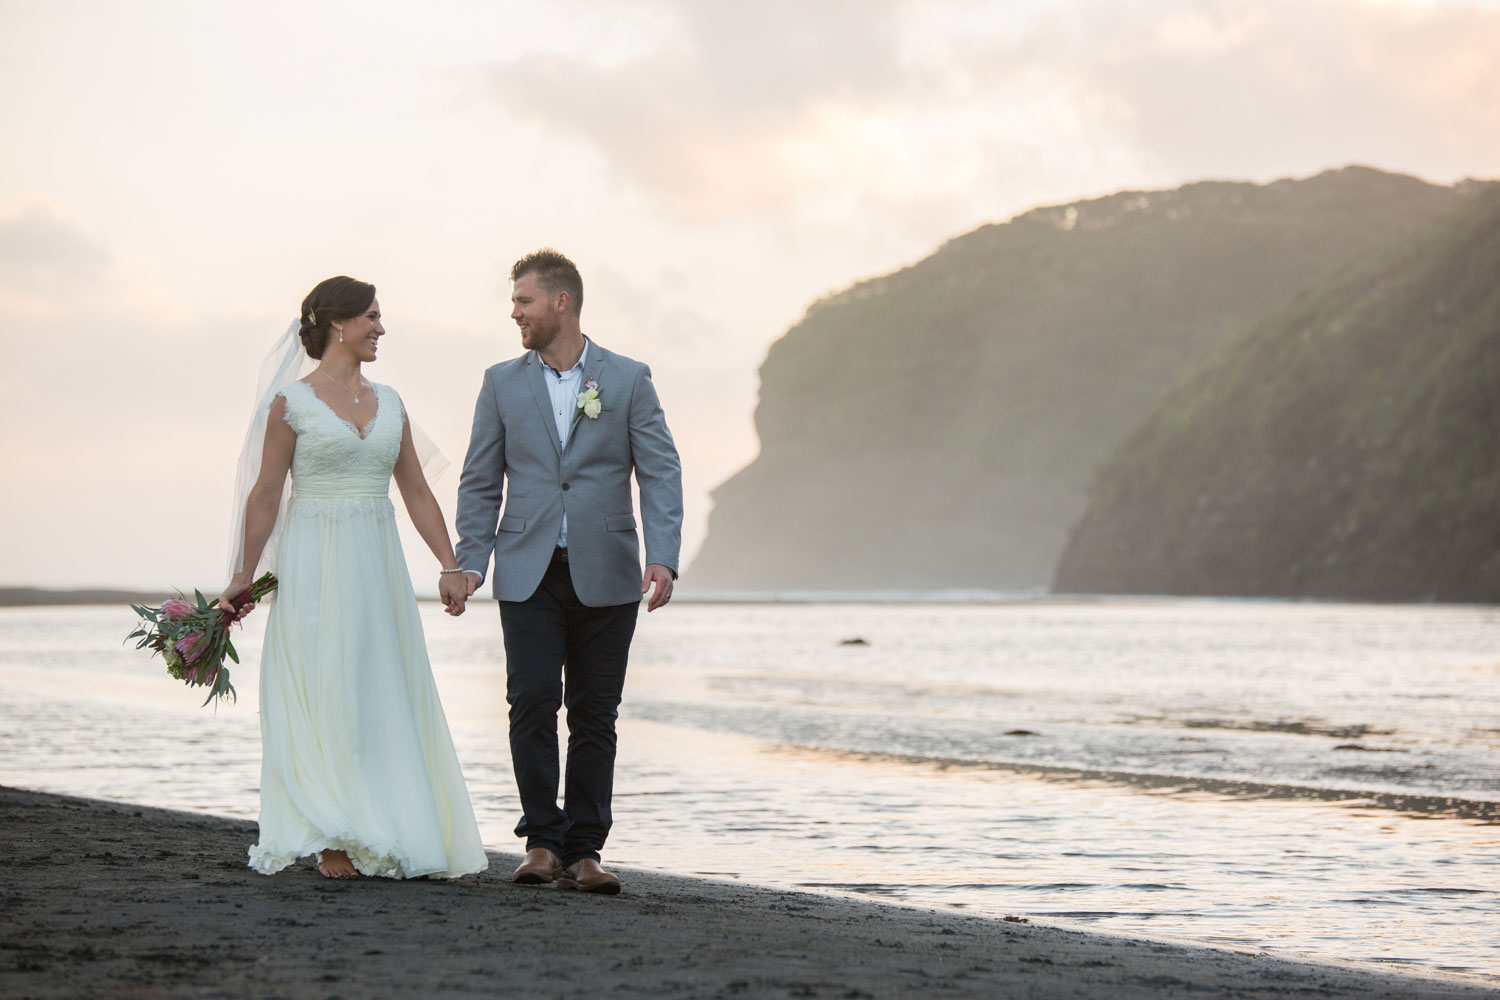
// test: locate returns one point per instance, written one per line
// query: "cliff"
(1347, 446)
(938, 427)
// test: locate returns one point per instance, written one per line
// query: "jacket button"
(565, 485)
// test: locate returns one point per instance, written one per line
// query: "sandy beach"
(104, 899)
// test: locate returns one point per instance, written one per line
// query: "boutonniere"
(588, 401)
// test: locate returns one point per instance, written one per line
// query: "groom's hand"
(662, 577)
(471, 581)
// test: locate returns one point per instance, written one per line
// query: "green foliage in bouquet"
(193, 637)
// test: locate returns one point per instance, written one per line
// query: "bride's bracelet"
(458, 570)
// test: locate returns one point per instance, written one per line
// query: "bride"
(357, 764)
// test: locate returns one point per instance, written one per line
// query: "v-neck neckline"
(362, 435)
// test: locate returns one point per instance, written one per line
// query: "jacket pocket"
(512, 523)
(619, 522)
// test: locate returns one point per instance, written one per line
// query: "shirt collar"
(578, 366)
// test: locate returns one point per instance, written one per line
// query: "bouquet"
(194, 637)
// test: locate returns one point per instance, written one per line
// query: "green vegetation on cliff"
(1348, 445)
(938, 427)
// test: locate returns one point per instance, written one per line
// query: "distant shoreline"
(20, 597)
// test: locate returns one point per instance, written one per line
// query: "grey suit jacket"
(514, 459)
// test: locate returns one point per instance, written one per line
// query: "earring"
(341, 335)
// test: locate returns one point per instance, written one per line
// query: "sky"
(177, 175)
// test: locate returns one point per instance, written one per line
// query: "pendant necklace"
(340, 385)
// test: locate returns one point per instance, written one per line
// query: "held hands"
(662, 577)
(454, 590)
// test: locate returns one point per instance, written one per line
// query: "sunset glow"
(179, 174)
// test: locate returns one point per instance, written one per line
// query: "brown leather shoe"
(539, 868)
(586, 876)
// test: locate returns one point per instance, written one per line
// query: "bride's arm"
(265, 497)
(427, 518)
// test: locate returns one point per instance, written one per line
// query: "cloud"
(118, 404)
(734, 109)
(52, 269)
(43, 259)
(1228, 90)
(826, 112)
(38, 246)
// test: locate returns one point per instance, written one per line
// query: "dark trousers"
(560, 652)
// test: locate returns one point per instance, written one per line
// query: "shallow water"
(1305, 779)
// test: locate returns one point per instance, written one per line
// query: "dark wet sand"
(105, 900)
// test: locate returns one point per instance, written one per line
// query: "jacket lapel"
(590, 371)
(537, 376)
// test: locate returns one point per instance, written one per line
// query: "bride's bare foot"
(336, 864)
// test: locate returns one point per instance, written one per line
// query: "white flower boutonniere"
(588, 401)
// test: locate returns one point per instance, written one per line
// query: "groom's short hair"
(554, 272)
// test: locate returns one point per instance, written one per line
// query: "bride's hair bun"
(312, 341)
(335, 299)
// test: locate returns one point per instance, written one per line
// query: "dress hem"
(374, 862)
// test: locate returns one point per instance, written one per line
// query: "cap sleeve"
(295, 413)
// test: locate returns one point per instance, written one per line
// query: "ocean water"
(1304, 779)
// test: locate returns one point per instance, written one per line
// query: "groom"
(564, 426)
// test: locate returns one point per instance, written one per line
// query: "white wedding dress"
(355, 750)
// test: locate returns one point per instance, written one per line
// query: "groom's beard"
(538, 336)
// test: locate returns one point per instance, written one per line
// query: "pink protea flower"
(193, 638)
(190, 647)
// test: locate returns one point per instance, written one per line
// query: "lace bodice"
(331, 460)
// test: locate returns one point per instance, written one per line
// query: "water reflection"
(1169, 854)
